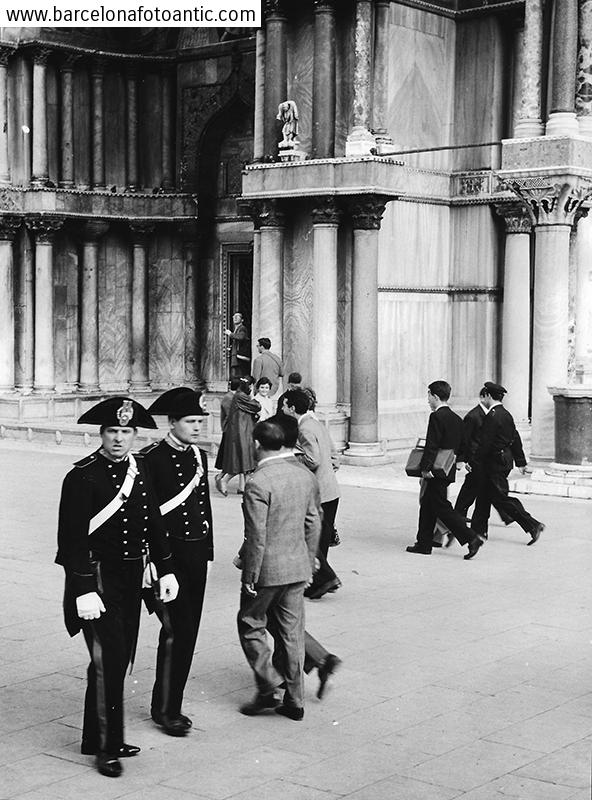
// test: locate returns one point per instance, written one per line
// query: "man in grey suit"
(282, 526)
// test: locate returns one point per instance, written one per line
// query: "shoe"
(315, 592)
(436, 544)
(173, 726)
(292, 712)
(476, 542)
(109, 765)
(185, 720)
(262, 702)
(327, 668)
(125, 751)
(333, 589)
(414, 548)
(536, 533)
(219, 487)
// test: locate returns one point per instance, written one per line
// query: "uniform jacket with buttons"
(500, 443)
(170, 471)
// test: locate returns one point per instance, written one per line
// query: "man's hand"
(522, 470)
(460, 464)
(227, 332)
(427, 475)
(169, 588)
(89, 606)
(249, 589)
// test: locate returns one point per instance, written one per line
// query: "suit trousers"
(325, 572)
(493, 491)
(468, 494)
(279, 609)
(434, 505)
(111, 641)
(173, 659)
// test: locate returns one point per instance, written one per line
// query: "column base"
(562, 123)
(88, 388)
(44, 389)
(66, 184)
(366, 454)
(143, 387)
(38, 183)
(528, 129)
(360, 142)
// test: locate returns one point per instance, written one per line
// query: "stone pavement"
(460, 679)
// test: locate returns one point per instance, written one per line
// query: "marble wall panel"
(298, 276)
(212, 356)
(300, 66)
(19, 114)
(474, 247)
(166, 311)
(149, 131)
(23, 308)
(115, 293)
(66, 299)
(421, 81)
(115, 129)
(583, 300)
(82, 135)
(475, 340)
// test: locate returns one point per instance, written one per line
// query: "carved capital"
(516, 218)
(44, 228)
(274, 8)
(97, 67)
(5, 53)
(367, 211)
(68, 61)
(9, 225)
(326, 212)
(93, 230)
(264, 213)
(322, 6)
(140, 230)
(551, 203)
(41, 55)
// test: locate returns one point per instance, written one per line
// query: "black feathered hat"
(118, 412)
(181, 402)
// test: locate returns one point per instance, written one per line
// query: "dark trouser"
(279, 609)
(493, 491)
(433, 505)
(314, 653)
(173, 659)
(241, 369)
(110, 641)
(325, 572)
(468, 494)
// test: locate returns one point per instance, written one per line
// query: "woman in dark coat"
(238, 448)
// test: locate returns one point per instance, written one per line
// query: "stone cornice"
(463, 13)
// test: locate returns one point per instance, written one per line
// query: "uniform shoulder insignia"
(148, 449)
(86, 461)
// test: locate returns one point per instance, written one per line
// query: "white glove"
(89, 606)
(169, 588)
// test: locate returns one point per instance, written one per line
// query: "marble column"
(98, 125)
(562, 118)
(44, 229)
(89, 306)
(515, 355)
(325, 221)
(584, 71)
(189, 237)
(276, 71)
(140, 380)
(323, 80)
(40, 168)
(9, 226)
(366, 215)
(132, 180)
(67, 107)
(271, 280)
(253, 209)
(360, 141)
(5, 53)
(381, 62)
(583, 302)
(259, 116)
(168, 138)
(529, 121)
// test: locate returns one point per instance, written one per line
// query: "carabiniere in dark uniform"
(179, 473)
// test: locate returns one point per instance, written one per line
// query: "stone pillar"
(323, 81)
(44, 229)
(67, 143)
(363, 434)
(515, 356)
(168, 136)
(40, 170)
(132, 181)
(325, 220)
(259, 116)
(562, 118)
(89, 306)
(529, 121)
(5, 53)
(272, 274)
(584, 72)
(140, 380)
(189, 237)
(583, 303)
(360, 141)
(9, 225)
(381, 87)
(98, 127)
(276, 71)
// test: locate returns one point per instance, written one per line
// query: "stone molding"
(44, 228)
(367, 212)
(9, 226)
(515, 216)
(326, 211)
(452, 291)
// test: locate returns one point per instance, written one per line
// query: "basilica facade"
(425, 219)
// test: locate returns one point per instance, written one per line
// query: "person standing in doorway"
(240, 351)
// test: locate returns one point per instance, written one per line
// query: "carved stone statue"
(288, 115)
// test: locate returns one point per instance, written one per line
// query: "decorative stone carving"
(516, 217)
(270, 214)
(367, 211)
(93, 230)
(275, 8)
(44, 228)
(472, 184)
(326, 212)
(41, 55)
(9, 226)
(324, 5)
(584, 72)
(5, 53)
(140, 230)
(551, 203)
(7, 200)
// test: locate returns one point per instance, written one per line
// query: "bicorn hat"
(181, 402)
(118, 412)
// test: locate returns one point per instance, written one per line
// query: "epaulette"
(148, 449)
(86, 461)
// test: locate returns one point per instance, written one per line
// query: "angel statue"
(288, 115)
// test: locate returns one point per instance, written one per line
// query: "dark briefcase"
(443, 463)
(414, 460)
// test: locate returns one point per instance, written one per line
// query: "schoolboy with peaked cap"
(496, 390)
(109, 525)
(179, 473)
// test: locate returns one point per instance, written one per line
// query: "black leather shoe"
(261, 702)
(173, 726)
(536, 533)
(449, 540)
(316, 591)
(125, 751)
(186, 720)
(474, 545)
(160, 718)
(413, 548)
(436, 544)
(109, 765)
(327, 668)
(292, 712)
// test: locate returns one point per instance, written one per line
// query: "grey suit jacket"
(282, 524)
(314, 449)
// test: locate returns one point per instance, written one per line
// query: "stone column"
(140, 381)
(323, 80)
(325, 220)
(562, 118)
(89, 306)
(276, 70)
(168, 137)
(5, 53)
(132, 181)
(360, 141)
(272, 274)
(98, 125)
(188, 232)
(381, 87)
(40, 169)
(67, 144)
(9, 225)
(584, 72)
(583, 303)
(515, 356)
(44, 229)
(259, 116)
(529, 121)
(363, 434)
